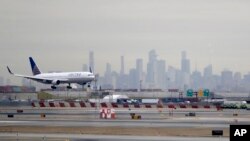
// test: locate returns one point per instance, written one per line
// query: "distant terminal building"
(17, 89)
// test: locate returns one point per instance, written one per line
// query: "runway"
(123, 111)
(79, 124)
(192, 123)
(150, 118)
(77, 137)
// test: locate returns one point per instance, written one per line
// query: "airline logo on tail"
(34, 68)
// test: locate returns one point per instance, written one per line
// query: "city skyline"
(158, 75)
(125, 70)
(211, 32)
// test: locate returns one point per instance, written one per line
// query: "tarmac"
(85, 124)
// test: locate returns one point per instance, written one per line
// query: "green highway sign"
(190, 92)
(206, 92)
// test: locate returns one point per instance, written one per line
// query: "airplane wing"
(42, 80)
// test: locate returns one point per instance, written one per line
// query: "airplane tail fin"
(34, 68)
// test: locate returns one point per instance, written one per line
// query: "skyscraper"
(139, 67)
(227, 79)
(185, 71)
(139, 73)
(108, 76)
(152, 68)
(171, 77)
(161, 74)
(196, 80)
(237, 77)
(208, 81)
(122, 65)
(122, 82)
(208, 71)
(132, 79)
(237, 81)
(91, 61)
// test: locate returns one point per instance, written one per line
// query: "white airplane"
(81, 78)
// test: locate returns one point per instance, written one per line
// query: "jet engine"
(56, 82)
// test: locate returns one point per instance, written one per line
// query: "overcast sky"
(60, 33)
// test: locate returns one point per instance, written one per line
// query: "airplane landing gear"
(69, 87)
(53, 87)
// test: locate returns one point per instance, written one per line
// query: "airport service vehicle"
(119, 99)
(57, 78)
(150, 101)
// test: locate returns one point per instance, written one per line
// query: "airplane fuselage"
(71, 77)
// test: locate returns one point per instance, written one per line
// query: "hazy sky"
(60, 33)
